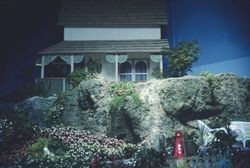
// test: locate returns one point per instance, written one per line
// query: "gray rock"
(36, 106)
(167, 105)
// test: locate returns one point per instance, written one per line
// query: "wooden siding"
(113, 12)
(109, 46)
(111, 33)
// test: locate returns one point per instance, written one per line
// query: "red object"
(178, 150)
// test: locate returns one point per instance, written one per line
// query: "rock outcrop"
(36, 108)
(166, 106)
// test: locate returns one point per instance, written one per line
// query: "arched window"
(140, 71)
(126, 71)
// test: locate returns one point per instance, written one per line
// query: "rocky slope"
(166, 106)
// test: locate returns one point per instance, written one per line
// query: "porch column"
(42, 67)
(116, 68)
(71, 63)
(161, 64)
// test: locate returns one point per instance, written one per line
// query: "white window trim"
(133, 73)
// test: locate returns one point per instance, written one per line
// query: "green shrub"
(209, 76)
(56, 148)
(79, 148)
(157, 73)
(150, 158)
(181, 57)
(54, 115)
(94, 66)
(118, 102)
(76, 77)
(136, 99)
(182, 163)
(36, 149)
(121, 91)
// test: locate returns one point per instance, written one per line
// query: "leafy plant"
(54, 115)
(209, 76)
(36, 149)
(182, 163)
(121, 91)
(181, 57)
(76, 77)
(94, 65)
(157, 73)
(79, 148)
(149, 158)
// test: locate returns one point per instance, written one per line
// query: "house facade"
(124, 35)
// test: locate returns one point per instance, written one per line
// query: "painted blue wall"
(222, 28)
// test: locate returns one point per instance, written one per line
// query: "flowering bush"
(14, 126)
(5, 132)
(83, 149)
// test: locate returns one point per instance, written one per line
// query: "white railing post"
(42, 67)
(72, 64)
(161, 64)
(116, 68)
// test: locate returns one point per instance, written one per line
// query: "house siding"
(111, 33)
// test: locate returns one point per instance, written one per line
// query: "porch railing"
(54, 85)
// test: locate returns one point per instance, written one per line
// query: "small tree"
(181, 57)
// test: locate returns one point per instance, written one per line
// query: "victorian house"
(126, 36)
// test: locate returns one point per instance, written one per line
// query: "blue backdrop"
(222, 28)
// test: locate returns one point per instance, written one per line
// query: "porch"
(121, 60)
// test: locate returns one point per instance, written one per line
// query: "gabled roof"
(113, 13)
(103, 46)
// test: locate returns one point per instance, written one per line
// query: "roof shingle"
(113, 13)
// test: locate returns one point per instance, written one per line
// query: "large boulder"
(166, 106)
(36, 107)
(88, 106)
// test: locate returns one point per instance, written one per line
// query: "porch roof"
(106, 46)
